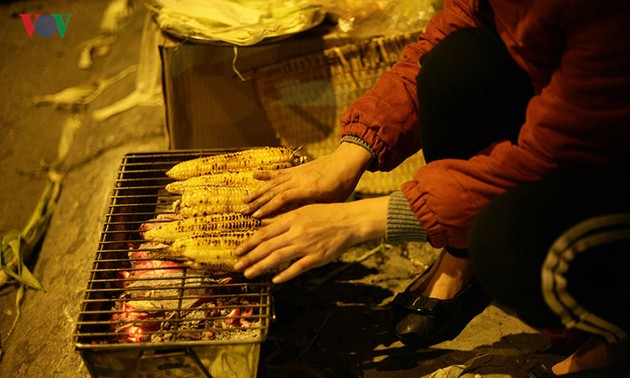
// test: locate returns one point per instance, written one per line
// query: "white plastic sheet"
(238, 22)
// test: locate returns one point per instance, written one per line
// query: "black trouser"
(513, 235)
(472, 94)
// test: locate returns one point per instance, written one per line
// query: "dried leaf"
(12, 261)
(148, 90)
(69, 98)
(10, 242)
(115, 16)
(99, 46)
(27, 278)
(72, 124)
(18, 247)
(18, 308)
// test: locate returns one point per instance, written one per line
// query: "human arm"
(311, 236)
(314, 235)
(385, 117)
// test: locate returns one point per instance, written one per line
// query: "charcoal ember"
(140, 266)
(164, 300)
(140, 262)
(159, 291)
(236, 316)
(133, 325)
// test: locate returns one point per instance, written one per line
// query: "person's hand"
(310, 236)
(330, 178)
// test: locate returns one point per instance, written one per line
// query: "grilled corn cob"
(228, 178)
(210, 224)
(256, 158)
(210, 200)
(213, 252)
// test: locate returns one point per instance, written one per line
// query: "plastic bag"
(362, 19)
(238, 22)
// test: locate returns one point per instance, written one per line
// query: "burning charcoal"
(130, 324)
(160, 291)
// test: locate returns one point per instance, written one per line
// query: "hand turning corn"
(212, 190)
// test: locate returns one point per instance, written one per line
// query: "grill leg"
(164, 361)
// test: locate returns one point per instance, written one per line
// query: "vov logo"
(45, 25)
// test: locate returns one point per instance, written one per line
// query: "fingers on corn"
(211, 193)
(203, 225)
(253, 158)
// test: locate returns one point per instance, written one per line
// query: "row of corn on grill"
(211, 190)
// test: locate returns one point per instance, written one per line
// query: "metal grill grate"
(132, 300)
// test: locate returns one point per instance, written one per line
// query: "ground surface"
(331, 322)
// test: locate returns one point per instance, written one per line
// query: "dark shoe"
(422, 321)
(618, 371)
(540, 371)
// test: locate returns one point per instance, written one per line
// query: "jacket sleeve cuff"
(359, 142)
(402, 224)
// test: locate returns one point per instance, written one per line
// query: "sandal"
(422, 321)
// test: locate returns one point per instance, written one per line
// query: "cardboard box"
(207, 104)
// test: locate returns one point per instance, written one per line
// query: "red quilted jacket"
(577, 55)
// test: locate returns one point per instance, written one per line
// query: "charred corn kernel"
(214, 252)
(176, 187)
(250, 158)
(230, 178)
(208, 200)
(208, 225)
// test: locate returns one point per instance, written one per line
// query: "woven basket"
(304, 98)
